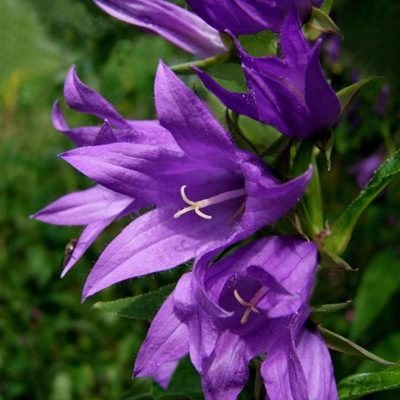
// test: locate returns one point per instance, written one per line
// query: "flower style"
(208, 193)
(97, 207)
(249, 16)
(289, 93)
(250, 303)
(179, 26)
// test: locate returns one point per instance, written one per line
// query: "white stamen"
(197, 205)
(250, 305)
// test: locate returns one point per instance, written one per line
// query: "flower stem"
(205, 63)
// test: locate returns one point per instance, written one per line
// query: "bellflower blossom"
(365, 168)
(249, 16)
(96, 207)
(289, 93)
(251, 303)
(208, 193)
(179, 26)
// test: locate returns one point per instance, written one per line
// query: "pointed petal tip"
(88, 291)
(71, 76)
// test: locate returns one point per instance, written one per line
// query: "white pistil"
(250, 305)
(197, 205)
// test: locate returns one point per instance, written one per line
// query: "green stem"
(206, 63)
(313, 199)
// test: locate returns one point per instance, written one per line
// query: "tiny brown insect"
(69, 249)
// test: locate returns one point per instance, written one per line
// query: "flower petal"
(154, 174)
(235, 101)
(148, 132)
(164, 373)
(225, 372)
(81, 136)
(187, 117)
(167, 340)
(294, 44)
(322, 101)
(292, 263)
(282, 372)
(157, 241)
(84, 99)
(88, 236)
(130, 169)
(247, 16)
(179, 26)
(267, 202)
(84, 207)
(105, 135)
(299, 368)
(317, 365)
(195, 309)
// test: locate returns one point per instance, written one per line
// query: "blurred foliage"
(53, 347)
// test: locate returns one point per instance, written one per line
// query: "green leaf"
(347, 95)
(346, 346)
(318, 314)
(144, 306)
(259, 45)
(387, 347)
(230, 76)
(185, 384)
(321, 22)
(141, 389)
(341, 232)
(380, 282)
(359, 385)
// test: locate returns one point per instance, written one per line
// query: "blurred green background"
(52, 346)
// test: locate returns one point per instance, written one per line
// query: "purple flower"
(381, 105)
(333, 49)
(289, 93)
(249, 16)
(208, 193)
(190, 33)
(364, 169)
(251, 303)
(179, 26)
(96, 207)
(299, 366)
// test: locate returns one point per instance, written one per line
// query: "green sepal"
(143, 306)
(359, 385)
(332, 261)
(347, 95)
(324, 142)
(346, 346)
(327, 6)
(318, 314)
(320, 22)
(342, 230)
